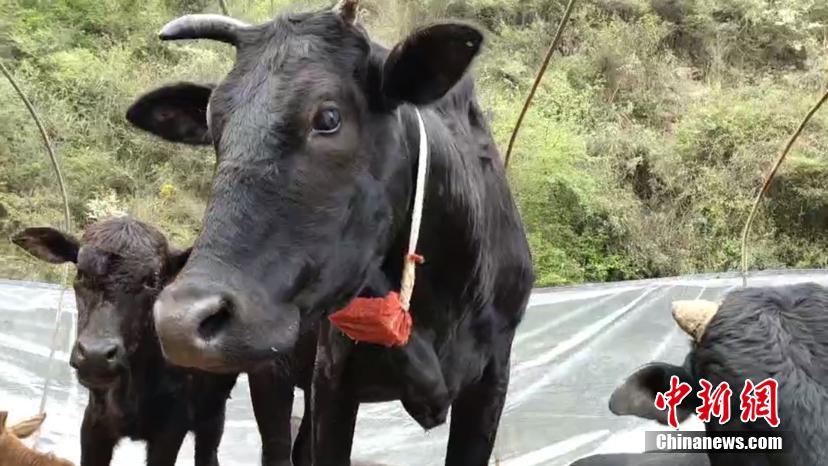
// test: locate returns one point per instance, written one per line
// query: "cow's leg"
(97, 441)
(209, 395)
(302, 444)
(475, 414)
(207, 439)
(163, 446)
(334, 407)
(272, 398)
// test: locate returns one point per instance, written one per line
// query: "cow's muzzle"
(202, 326)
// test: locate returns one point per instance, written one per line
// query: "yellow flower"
(167, 191)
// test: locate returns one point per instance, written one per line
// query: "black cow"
(756, 334)
(317, 139)
(122, 264)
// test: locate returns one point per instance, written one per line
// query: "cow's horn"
(347, 9)
(203, 26)
(693, 316)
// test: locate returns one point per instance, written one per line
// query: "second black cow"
(122, 264)
(756, 334)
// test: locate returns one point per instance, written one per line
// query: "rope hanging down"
(767, 183)
(538, 78)
(387, 321)
(412, 258)
(67, 225)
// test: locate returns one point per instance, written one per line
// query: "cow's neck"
(462, 207)
(148, 359)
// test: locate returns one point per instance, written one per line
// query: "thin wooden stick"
(224, 9)
(767, 183)
(538, 79)
(67, 224)
(47, 143)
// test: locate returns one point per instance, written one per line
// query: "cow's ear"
(428, 63)
(24, 429)
(176, 259)
(48, 244)
(636, 396)
(177, 113)
(97, 262)
(3, 416)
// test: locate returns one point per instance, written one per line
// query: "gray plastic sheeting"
(573, 348)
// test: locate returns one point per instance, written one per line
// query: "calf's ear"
(48, 244)
(3, 416)
(429, 62)
(28, 427)
(176, 259)
(636, 395)
(176, 112)
(95, 260)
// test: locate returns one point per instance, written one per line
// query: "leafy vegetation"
(640, 157)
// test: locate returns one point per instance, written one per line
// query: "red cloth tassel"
(381, 321)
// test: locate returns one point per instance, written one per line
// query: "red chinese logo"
(714, 402)
(672, 398)
(757, 401)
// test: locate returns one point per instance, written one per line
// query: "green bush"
(645, 146)
(797, 202)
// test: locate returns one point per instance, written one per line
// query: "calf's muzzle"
(99, 361)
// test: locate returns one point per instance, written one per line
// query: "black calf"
(122, 265)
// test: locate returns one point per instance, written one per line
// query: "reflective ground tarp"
(573, 348)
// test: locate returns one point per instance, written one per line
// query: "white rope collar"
(412, 258)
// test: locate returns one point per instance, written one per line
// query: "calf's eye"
(327, 120)
(151, 282)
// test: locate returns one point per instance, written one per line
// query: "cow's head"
(749, 336)
(314, 172)
(122, 264)
(636, 395)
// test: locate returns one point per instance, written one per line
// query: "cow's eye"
(151, 282)
(327, 120)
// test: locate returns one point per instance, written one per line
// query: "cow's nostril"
(210, 327)
(98, 354)
(81, 350)
(111, 354)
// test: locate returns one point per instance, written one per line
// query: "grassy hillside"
(645, 146)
